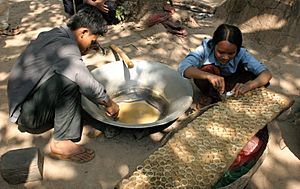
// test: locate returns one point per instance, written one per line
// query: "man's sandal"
(81, 157)
(9, 31)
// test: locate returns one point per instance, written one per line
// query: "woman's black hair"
(226, 32)
(90, 17)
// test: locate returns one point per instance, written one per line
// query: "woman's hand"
(241, 88)
(217, 82)
(262, 79)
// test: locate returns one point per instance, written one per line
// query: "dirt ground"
(118, 156)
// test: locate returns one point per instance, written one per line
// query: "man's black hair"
(90, 17)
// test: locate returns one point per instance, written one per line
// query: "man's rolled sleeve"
(78, 73)
(91, 88)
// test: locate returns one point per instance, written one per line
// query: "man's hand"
(100, 4)
(112, 110)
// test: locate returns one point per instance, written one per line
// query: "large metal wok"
(154, 82)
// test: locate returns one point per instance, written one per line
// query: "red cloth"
(248, 152)
(211, 68)
(163, 18)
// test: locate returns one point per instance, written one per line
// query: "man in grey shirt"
(45, 85)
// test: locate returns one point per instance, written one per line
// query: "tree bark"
(272, 23)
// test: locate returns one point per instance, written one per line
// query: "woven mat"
(199, 154)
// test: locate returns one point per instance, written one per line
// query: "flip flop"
(81, 157)
(9, 31)
(157, 18)
(175, 28)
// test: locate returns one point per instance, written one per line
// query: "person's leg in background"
(70, 6)
(110, 16)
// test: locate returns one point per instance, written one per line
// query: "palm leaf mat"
(198, 155)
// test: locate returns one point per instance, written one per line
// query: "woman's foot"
(203, 101)
(68, 150)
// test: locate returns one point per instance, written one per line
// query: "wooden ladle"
(122, 55)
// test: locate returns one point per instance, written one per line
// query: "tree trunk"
(272, 23)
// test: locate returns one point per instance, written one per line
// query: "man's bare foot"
(68, 150)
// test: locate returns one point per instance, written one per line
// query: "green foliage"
(120, 13)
